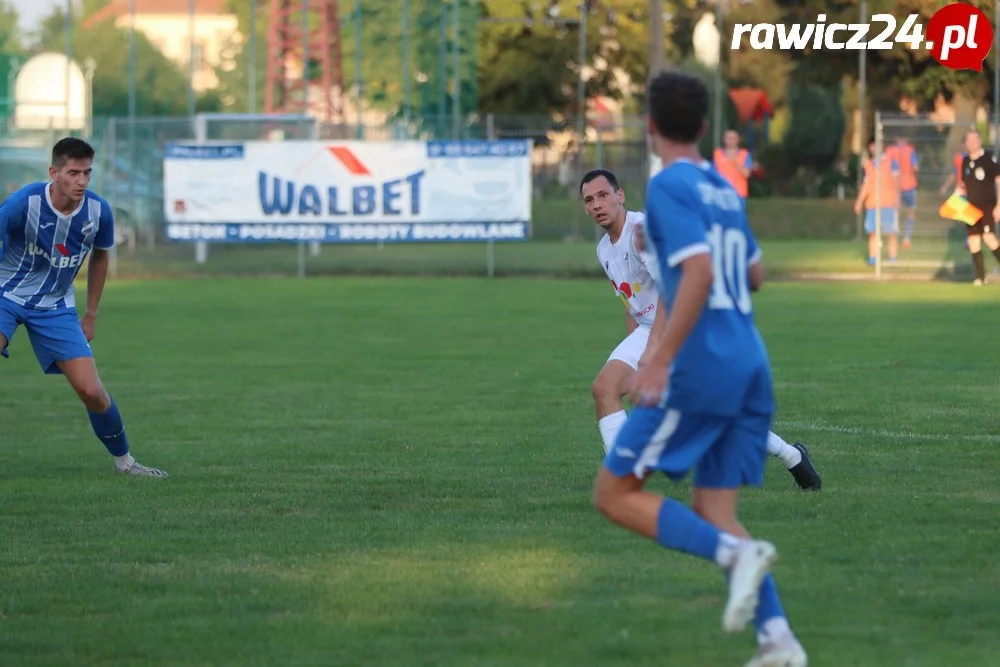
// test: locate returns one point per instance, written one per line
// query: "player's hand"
(857, 208)
(649, 383)
(996, 213)
(88, 322)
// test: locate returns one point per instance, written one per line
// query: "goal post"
(912, 236)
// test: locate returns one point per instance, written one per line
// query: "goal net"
(915, 238)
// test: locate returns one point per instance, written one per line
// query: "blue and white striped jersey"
(44, 250)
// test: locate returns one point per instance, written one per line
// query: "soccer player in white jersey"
(624, 262)
(704, 397)
(47, 230)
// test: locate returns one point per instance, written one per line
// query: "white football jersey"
(628, 271)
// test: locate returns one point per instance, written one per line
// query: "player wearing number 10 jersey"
(624, 262)
(704, 395)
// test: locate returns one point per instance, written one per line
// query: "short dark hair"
(678, 105)
(71, 148)
(594, 174)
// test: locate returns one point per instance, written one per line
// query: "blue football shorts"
(55, 335)
(890, 221)
(723, 452)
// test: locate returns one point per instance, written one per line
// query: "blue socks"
(110, 429)
(910, 224)
(769, 606)
(680, 529)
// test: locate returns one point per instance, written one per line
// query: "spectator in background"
(954, 176)
(905, 156)
(734, 163)
(980, 176)
(880, 190)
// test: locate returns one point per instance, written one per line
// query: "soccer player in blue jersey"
(47, 230)
(704, 399)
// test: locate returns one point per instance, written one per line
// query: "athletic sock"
(609, 426)
(776, 446)
(977, 261)
(680, 529)
(110, 430)
(769, 619)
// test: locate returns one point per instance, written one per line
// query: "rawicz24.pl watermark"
(959, 36)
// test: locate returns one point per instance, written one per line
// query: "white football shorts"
(630, 350)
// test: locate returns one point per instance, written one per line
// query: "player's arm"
(755, 263)
(100, 259)
(630, 323)
(689, 302)
(862, 194)
(948, 182)
(11, 218)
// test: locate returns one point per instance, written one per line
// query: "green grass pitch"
(387, 472)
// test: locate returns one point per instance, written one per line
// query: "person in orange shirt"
(954, 178)
(884, 196)
(734, 163)
(905, 156)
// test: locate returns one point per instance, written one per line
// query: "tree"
(10, 51)
(161, 87)
(897, 71)
(817, 125)
(235, 72)
(529, 65)
(510, 59)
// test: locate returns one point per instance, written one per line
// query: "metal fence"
(909, 231)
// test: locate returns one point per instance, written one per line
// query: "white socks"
(609, 426)
(790, 456)
(725, 553)
(775, 631)
(124, 462)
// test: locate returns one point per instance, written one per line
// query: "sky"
(31, 11)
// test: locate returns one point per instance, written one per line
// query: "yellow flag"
(957, 207)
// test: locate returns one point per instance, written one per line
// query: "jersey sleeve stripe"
(756, 257)
(687, 252)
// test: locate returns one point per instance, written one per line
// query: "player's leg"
(62, 349)
(890, 229)
(11, 315)
(796, 458)
(909, 200)
(657, 438)
(976, 251)
(734, 461)
(612, 383)
(873, 242)
(992, 242)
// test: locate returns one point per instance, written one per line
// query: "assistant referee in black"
(980, 180)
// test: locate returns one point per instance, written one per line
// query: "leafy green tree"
(11, 50)
(161, 87)
(817, 125)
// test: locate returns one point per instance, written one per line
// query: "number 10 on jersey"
(730, 288)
